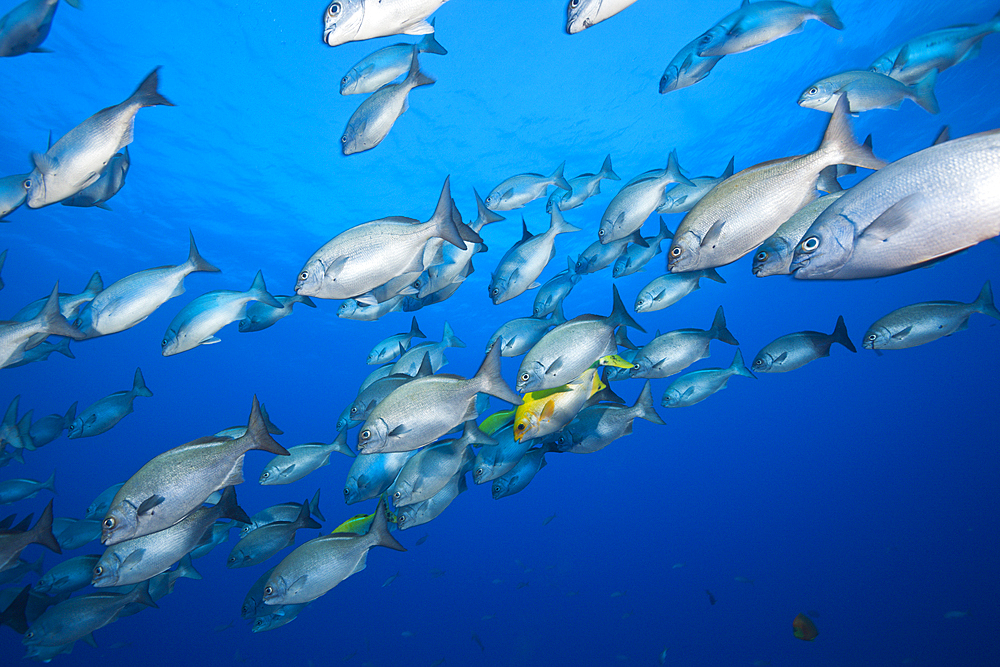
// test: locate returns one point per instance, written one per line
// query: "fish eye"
(109, 523)
(397, 495)
(525, 377)
(495, 291)
(520, 427)
(366, 434)
(99, 570)
(265, 475)
(761, 256)
(601, 233)
(303, 275)
(268, 590)
(705, 39)
(354, 411)
(334, 9)
(479, 472)
(344, 80)
(400, 520)
(812, 91)
(27, 184)
(758, 362)
(163, 343)
(347, 492)
(343, 139)
(872, 337)
(675, 251)
(810, 244)
(574, 3)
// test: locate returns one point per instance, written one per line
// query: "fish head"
(356, 138)
(530, 376)
(644, 301)
(762, 362)
(342, 21)
(75, 430)
(820, 95)
(405, 516)
(883, 65)
(480, 472)
(36, 189)
(527, 422)
(311, 277)
(263, 623)
(824, 249)
(402, 489)
(352, 490)
(372, 436)
(641, 366)
(347, 308)
(120, 523)
(275, 590)
(173, 342)
(238, 558)
(498, 289)
(499, 488)
(247, 528)
(272, 474)
(712, 42)
(13, 193)
(542, 308)
(770, 257)
(493, 200)
(670, 79)
(106, 571)
(349, 83)
(671, 398)
(684, 253)
(876, 338)
(581, 14)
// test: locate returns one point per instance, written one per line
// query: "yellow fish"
(615, 361)
(547, 411)
(496, 421)
(360, 524)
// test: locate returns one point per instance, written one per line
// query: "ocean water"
(860, 489)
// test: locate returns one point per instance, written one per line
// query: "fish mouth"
(328, 35)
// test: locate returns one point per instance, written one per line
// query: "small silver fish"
(13, 193)
(682, 198)
(383, 66)
(389, 348)
(797, 349)
(108, 411)
(519, 335)
(582, 188)
(112, 180)
(521, 266)
(687, 68)
(759, 23)
(302, 460)
(674, 351)
(695, 387)
(13, 490)
(16, 338)
(583, 14)
(551, 295)
(637, 200)
(637, 256)
(260, 315)
(868, 90)
(670, 288)
(354, 20)
(517, 191)
(24, 28)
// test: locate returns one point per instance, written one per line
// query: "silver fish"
(102, 502)
(637, 200)
(44, 351)
(213, 537)
(75, 533)
(260, 315)
(322, 563)
(374, 393)
(600, 255)
(108, 411)
(582, 188)
(696, 386)
(676, 350)
(352, 309)
(520, 266)
(253, 603)
(78, 158)
(131, 299)
(686, 68)
(282, 615)
(518, 477)
(921, 208)
(13, 490)
(411, 360)
(68, 576)
(18, 337)
(738, 214)
(496, 461)
(422, 512)
(517, 191)
(774, 256)
(926, 322)
(239, 431)
(866, 90)
(598, 426)
(521, 334)
(112, 180)
(169, 486)
(551, 295)
(372, 474)
(637, 256)
(24, 28)
(354, 20)
(583, 14)
(47, 429)
(383, 66)
(267, 540)
(389, 348)
(79, 616)
(13, 193)
(682, 198)
(282, 512)
(430, 469)
(69, 304)
(761, 23)
(302, 460)
(797, 349)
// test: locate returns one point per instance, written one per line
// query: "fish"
(172, 484)
(253, 603)
(711, 598)
(143, 557)
(674, 351)
(599, 425)
(759, 23)
(16, 338)
(47, 429)
(427, 510)
(599, 255)
(517, 191)
(803, 628)
(921, 208)
(670, 288)
(302, 460)
(547, 411)
(867, 90)
(582, 188)
(13, 193)
(13, 490)
(496, 461)
(682, 198)
(198, 322)
(774, 256)
(696, 386)
(283, 615)
(355, 20)
(352, 309)
(795, 350)
(69, 304)
(551, 295)
(77, 159)
(519, 335)
(738, 214)
(385, 65)
(102, 502)
(3, 258)
(479, 642)
(13, 432)
(520, 266)
(68, 576)
(937, 50)
(518, 477)
(24, 28)
(111, 180)
(429, 470)
(12, 542)
(393, 346)
(371, 475)
(368, 255)
(213, 537)
(391, 579)
(18, 572)
(958, 614)
(547, 520)
(637, 255)
(570, 348)
(44, 351)
(75, 533)
(373, 119)
(282, 512)
(421, 411)
(583, 14)
(925, 322)
(321, 563)
(78, 617)
(130, 300)
(687, 68)
(267, 540)
(637, 200)
(102, 415)
(260, 315)
(373, 394)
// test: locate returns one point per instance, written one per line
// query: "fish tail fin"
(839, 335)
(485, 214)
(621, 339)
(674, 170)
(824, 12)
(196, 261)
(314, 506)
(271, 428)
(304, 300)
(15, 615)
(62, 347)
(840, 142)
(75, 4)
(185, 568)
(24, 430)
(984, 303)
(53, 323)
(70, 415)
(147, 94)
(141, 594)
(558, 223)
(416, 77)
(258, 292)
(449, 338)
(740, 368)
(415, 331)
(257, 435)
(95, 285)
(606, 170)
(430, 45)
(380, 529)
(712, 274)
(229, 508)
(303, 519)
(42, 532)
(827, 181)
(644, 405)
(558, 316)
(923, 92)
(473, 435)
(489, 380)
(664, 234)
(10, 418)
(619, 316)
(50, 483)
(139, 387)
(719, 330)
(443, 221)
(559, 180)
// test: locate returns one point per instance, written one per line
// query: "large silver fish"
(926, 322)
(108, 411)
(583, 14)
(77, 617)
(354, 20)
(676, 350)
(520, 266)
(687, 68)
(517, 191)
(112, 180)
(371, 122)
(172, 484)
(267, 540)
(795, 350)
(696, 386)
(866, 90)
(383, 66)
(373, 394)
(759, 23)
(921, 208)
(302, 460)
(637, 200)
(131, 299)
(13, 192)
(18, 337)
(24, 28)
(322, 563)
(80, 156)
(738, 214)
(198, 322)
(371, 254)
(582, 188)
(774, 256)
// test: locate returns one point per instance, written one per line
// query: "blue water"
(860, 487)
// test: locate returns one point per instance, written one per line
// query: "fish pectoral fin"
(628, 428)
(44, 163)
(335, 267)
(711, 238)
(148, 504)
(534, 285)
(659, 295)
(134, 558)
(89, 638)
(507, 194)
(366, 71)
(297, 585)
(420, 28)
(287, 471)
(894, 219)
(554, 366)
(366, 299)
(781, 357)
(548, 410)
(902, 333)
(398, 431)
(210, 340)
(688, 393)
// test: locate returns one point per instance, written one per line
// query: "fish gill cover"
(857, 490)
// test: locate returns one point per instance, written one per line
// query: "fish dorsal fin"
(525, 234)
(148, 504)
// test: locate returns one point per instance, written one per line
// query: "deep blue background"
(860, 487)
